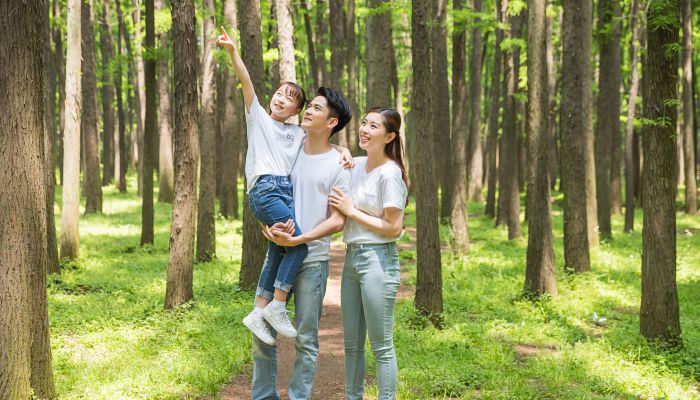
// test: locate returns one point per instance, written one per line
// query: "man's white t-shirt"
(371, 193)
(313, 176)
(272, 146)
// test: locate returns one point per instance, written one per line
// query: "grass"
(111, 338)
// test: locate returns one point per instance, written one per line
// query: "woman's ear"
(390, 137)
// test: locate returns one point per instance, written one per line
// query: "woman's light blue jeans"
(370, 282)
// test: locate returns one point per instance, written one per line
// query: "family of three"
(301, 194)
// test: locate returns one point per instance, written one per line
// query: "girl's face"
(373, 134)
(283, 105)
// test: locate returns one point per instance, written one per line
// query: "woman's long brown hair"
(393, 149)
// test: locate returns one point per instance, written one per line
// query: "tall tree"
(338, 53)
(70, 234)
(310, 40)
(475, 157)
(494, 104)
(88, 122)
(440, 105)
(181, 249)
(551, 104)
(540, 276)
(429, 281)
(51, 72)
(458, 220)
(607, 107)
(231, 135)
(165, 157)
(139, 91)
(630, 143)
(575, 121)
(120, 144)
(508, 195)
(658, 314)
(60, 81)
(25, 357)
(107, 53)
(379, 49)
(691, 191)
(352, 92)
(254, 245)
(206, 230)
(150, 128)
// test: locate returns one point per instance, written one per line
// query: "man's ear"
(332, 122)
(389, 137)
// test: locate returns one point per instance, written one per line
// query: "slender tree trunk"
(165, 159)
(658, 314)
(93, 184)
(254, 245)
(150, 131)
(61, 84)
(495, 103)
(630, 174)
(379, 48)
(310, 40)
(70, 234)
(429, 281)
(181, 249)
(475, 156)
(351, 61)
(607, 108)
(509, 199)
(458, 221)
(338, 55)
(107, 95)
(139, 93)
(50, 151)
(120, 145)
(540, 276)
(551, 106)
(691, 195)
(322, 40)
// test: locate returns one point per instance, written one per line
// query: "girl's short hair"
(294, 90)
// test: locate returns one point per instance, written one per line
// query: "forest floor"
(111, 338)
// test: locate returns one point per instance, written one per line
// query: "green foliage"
(663, 14)
(163, 20)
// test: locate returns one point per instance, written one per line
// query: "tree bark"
(60, 83)
(165, 159)
(139, 92)
(338, 55)
(607, 109)
(254, 244)
(475, 156)
(181, 248)
(120, 145)
(658, 314)
(321, 40)
(51, 73)
(379, 49)
(150, 129)
(429, 280)
(691, 195)
(90, 137)
(575, 120)
(351, 61)
(458, 220)
(540, 276)
(551, 106)
(495, 106)
(107, 95)
(70, 234)
(206, 229)
(631, 173)
(310, 40)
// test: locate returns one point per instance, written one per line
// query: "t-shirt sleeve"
(256, 112)
(342, 178)
(393, 191)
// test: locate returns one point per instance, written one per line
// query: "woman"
(371, 274)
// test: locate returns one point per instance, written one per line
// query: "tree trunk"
(165, 159)
(607, 108)
(321, 40)
(475, 156)
(540, 276)
(353, 126)
(70, 235)
(458, 221)
(551, 106)
(93, 184)
(254, 244)
(658, 314)
(51, 72)
(440, 106)
(379, 49)
(495, 106)
(139, 92)
(181, 249)
(206, 230)
(120, 145)
(429, 280)
(150, 130)
(691, 195)
(107, 95)
(508, 196)
(575, 120)
(338, 55)
(630, 170)
(61, 84)
(310, 40)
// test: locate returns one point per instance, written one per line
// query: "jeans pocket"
(261, 188)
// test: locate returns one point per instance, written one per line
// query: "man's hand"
(281, 237)
(225, 41)
(346, 158)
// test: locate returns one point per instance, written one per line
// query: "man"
(315, 172)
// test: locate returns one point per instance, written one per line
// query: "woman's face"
(373, 134)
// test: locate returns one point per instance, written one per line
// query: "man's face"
(316, 117)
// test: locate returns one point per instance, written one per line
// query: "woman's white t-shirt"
(272, 146)
(371, 193)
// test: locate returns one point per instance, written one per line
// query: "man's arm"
(334, 223)
(239, 67)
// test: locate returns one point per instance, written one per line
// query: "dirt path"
(329, 383)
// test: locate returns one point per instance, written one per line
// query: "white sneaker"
(255, 322)
(279, 319)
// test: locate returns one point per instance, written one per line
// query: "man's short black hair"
(338, 107)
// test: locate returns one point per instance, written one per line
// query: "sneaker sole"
(250, 328)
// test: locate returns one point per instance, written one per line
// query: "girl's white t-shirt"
(272, 146)
(371, 193)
